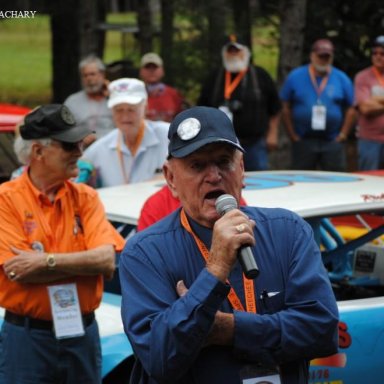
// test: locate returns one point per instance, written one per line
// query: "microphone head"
(225, 203)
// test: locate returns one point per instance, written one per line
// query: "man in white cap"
(164, 101)
(137, 148)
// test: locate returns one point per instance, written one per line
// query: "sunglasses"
(377, 53)
(324, 56)
(71, 147)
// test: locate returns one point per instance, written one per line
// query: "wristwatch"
(51, 261)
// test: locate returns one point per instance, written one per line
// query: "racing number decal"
(345, 339)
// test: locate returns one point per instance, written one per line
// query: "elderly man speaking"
(190, 313)
(56, 247)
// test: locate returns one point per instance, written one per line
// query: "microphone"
(224, 204)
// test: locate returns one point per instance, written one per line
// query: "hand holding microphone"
(224, 204)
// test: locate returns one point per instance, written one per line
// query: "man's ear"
(242, 170)
(170, 178)
(36, 150)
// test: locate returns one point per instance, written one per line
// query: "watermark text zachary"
(17, 14)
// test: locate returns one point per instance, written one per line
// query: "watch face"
(51, 262)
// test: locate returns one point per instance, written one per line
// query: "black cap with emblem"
(53, 121)
(198, 126)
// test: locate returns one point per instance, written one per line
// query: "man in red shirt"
(369, 99)
(164, 101)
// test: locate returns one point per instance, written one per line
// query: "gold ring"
(240, 228)
(12, 275)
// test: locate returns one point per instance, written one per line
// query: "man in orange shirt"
(56, 248)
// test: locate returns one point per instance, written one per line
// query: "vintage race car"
(328, 201)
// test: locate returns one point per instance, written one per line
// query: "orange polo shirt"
(75, 221)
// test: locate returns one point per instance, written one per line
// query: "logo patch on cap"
(189, 128)
(67, 116)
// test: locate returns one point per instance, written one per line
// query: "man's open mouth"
(213, 195)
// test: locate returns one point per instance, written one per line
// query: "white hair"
(23, 148)
(92, 59)
(236, 63)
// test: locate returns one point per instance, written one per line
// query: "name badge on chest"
(66, 314)
(319, 115)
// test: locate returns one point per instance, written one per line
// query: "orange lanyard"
(379, 76)
(249, 291)
(133, 149)
(231, 86)
(324, 81)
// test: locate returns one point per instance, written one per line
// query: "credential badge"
(189, 128)
(67, 116)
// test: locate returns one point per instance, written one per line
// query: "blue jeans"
(35, 356)
(256, 156)
(371, 154)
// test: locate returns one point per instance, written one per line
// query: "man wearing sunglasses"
(56, 248)
(369, 99)
(317, 111)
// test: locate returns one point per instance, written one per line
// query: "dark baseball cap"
(198, 126)
(53, 121)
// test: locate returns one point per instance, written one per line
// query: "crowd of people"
(188, 311)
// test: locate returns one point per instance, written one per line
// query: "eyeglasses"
(377, 53)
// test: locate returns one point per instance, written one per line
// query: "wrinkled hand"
(24, 264)
(230, 232)
(222, 329)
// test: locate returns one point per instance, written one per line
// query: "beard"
(236, 63)
(93, 88)
(321, 68)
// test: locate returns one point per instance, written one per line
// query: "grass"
(25, 65)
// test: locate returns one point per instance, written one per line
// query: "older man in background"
(164, 101)
(89, 106)
(318, 111)
(249, 97)
(369, 99)
(137, 148)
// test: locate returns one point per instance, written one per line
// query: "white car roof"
(308, 193)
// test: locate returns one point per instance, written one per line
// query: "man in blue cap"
(187, 309)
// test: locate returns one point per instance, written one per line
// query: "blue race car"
(353, 255)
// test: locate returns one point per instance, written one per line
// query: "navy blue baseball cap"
(198, 126)
(53, 121)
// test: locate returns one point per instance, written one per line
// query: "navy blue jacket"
(296, 318)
